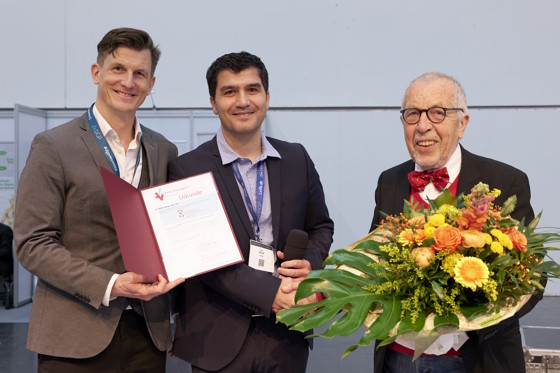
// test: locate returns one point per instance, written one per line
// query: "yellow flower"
(503, 238)
(488, 238)
(497, 247)
(471, 272)
(496, 233)
(506, 241)
(496, 192)
(436, 220)
(490, 289)
(406, 237)
(473, 238)
(429, 231)
(449, 262)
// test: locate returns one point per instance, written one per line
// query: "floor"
(540, 329)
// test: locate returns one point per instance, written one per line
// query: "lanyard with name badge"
(104, 145)
(261, 256)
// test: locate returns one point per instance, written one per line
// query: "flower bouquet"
(461, 264)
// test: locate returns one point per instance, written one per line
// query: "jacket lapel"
(275, 189)
(468, 174)
(92, 146)
(401, 190)
(151, 160)
(226, 174)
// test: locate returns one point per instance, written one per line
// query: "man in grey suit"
(88, 314)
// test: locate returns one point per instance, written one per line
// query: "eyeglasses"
(435, 114)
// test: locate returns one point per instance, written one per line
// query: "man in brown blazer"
(88, 314)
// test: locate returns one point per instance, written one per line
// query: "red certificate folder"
(142, 252)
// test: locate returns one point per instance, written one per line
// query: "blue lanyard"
(104, 145)
(259, 191)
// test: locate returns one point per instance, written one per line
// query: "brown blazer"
(65, 236)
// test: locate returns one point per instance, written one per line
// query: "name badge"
(261, 256)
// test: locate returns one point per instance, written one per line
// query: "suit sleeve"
(318, 224)
(376, 213)
(520, 188)
(39, 223)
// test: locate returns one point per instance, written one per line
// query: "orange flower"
(447, 237)
(519, 240)
(417, 221)
(471, 218)
(409, 237)
(422, 256)
(473, 238)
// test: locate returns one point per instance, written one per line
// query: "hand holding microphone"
(294, 265)
(296, 243)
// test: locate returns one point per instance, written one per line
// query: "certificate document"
(177, 229)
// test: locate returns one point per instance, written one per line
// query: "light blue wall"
(337, 69)
(319, 52)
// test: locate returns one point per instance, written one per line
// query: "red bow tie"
(419, 179)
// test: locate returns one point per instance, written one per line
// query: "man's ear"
(95, 73)
(463, 124)
(214, 109)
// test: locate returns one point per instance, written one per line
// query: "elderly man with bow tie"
(434, 117)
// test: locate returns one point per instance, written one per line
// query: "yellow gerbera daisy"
(471, 272)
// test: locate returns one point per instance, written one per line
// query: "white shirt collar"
(107, 130)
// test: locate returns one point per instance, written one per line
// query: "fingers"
(310, 299)
(296, 264)
(134, 285)
(296, 274)
(283, 300)
(166, 286)
(297, 269)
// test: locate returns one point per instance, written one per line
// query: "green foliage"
(377, 282)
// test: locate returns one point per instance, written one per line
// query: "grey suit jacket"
(65, 236)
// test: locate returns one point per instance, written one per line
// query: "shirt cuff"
(107, 297)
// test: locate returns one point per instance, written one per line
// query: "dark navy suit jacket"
(497, 348)
(216, 308)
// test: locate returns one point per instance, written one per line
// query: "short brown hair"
(129, 38)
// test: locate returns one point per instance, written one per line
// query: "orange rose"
(447, 237)
(519, 240)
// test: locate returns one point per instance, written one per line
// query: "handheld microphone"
(296, 243)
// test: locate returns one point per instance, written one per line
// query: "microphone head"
(296, 243)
